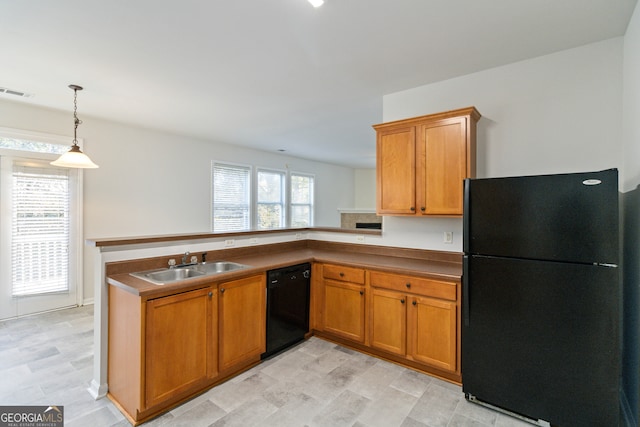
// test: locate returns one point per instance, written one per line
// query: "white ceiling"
(274, 74)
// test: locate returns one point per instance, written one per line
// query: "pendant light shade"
(74, 158)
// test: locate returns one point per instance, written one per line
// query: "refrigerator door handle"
(465, 290)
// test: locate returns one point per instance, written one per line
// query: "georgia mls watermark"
(31, 416)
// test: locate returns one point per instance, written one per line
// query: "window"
(40, 225)
(301, 200)
(231, 204)
(271, 200)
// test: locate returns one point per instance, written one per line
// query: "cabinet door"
(344, 310)
(395, 171)
(442, 148)
(432, 332)
(388, 321)
(242, 317)
(179, 343)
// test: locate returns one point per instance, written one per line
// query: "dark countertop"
(262, 262)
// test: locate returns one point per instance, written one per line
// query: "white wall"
(365, 188)
(553, 114)
(152, 183)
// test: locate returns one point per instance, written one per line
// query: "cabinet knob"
(413, 208)
(423, 209)
(408, 285)
(222, 290)
(402, 301)
(341, 274)
(210, 294)
(414, 302)
(361, 292)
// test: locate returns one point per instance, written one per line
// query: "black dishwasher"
(287, 307)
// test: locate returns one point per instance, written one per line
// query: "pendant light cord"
(77, 121)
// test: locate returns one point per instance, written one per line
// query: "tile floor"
(47, 359)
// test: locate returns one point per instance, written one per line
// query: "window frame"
(284, 197)
(312, 202)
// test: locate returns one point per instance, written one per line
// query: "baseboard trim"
(98, 391)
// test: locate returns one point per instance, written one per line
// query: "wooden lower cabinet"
(416, 318)
(343, 305)
(408, 319)
(344, 310)
(432, 332)
(242, 314)
(181, 344)
(164, 350)
(388, 321)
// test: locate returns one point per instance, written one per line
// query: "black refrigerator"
(541, 298)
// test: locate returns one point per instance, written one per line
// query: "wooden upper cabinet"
(396, 171)
(422, 163)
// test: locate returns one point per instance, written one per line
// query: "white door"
(38, 253)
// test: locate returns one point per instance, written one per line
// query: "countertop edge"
(261, 263)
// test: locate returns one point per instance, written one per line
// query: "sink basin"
(219, 267)
(169, 275)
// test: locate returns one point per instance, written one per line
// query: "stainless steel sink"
(170, 275)
(219, 267)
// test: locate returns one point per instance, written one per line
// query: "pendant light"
(74, 158)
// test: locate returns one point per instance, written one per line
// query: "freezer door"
(568, 217)
(542, 339)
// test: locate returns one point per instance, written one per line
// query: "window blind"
(231, 197)
(40, 230)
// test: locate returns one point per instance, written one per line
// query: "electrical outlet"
(448, 237)
(253, 241)
(360, 238)
(229, 242)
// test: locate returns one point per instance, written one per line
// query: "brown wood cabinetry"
(164, 350)
(422, 162)
(242, 313)
(161, 350)
(344, 301)
(180, 336)
(408, 319)
(416, 318)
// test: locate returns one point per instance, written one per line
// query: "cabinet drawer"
(415, 285)
(342, 273)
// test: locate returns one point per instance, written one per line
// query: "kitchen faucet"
(192, 261)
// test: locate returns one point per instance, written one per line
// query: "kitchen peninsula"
(375, 299)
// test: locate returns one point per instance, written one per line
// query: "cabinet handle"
(361, 292)
(210, 295)
(402, 301)
(413, 209)
(423, 209)
(414, 302)
(341, 274)
(408, 285)
(222, 290)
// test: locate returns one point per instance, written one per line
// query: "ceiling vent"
(15, 92)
